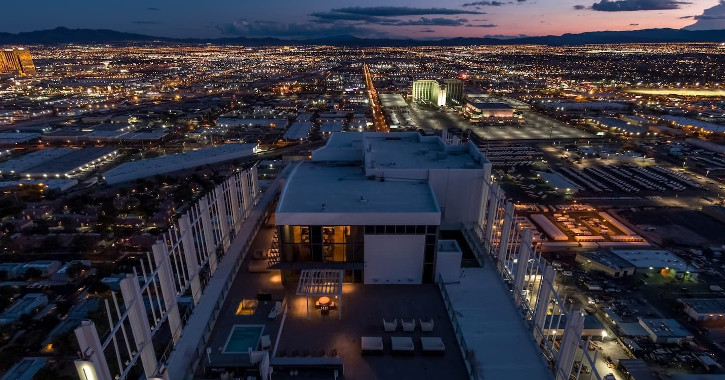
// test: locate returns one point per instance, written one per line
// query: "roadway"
(378, 116)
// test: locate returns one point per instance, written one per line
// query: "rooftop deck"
(246, 285)
(363, 309)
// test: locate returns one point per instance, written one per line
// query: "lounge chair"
(408, 326)
(403, 344)
(390, 326)
(371, 344)
(432, 345)
(426, 326)
(266, 342)
(276, 310)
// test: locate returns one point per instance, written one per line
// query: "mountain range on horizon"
(62, 35)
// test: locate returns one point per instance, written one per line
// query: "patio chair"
(390, 326)
(432, 345)
(408, 326)
(266, 342)
(426, 326)
(276, 310)
(371, 344)
(402, 344)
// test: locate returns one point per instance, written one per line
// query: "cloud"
(485, 4)
(337, 16)
(481, 25)
(684, 17)
(711, 19)
(436, 21)
(403, 11)
(505, 36)
(259, 28)
(152, 9)
(636, 5)
(396, 16)
(580, 7)
(142, 22)
(428, 30)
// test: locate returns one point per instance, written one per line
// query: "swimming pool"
(242, 337)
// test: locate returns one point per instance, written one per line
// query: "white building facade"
(388, 196)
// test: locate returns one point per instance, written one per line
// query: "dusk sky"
(423, 19)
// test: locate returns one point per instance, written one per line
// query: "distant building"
(174, 162)
(24, 306)
(710, 311)
(656, 261)
(626, 262)
(438, 92)
(16, 61)
(665, 330)
(606, 262)
(15, 270)
(25, 369)
(489, 113)
(636, 369)
(454, 89)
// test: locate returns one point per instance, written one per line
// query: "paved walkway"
(493, 329)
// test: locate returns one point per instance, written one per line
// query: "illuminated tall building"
(454, 89)
(438, 92)
(18, 61)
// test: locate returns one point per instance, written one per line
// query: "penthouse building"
(387, 197)
(16, 61)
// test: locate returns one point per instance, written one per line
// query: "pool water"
(242, 338)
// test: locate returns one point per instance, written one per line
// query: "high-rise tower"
(18, 61)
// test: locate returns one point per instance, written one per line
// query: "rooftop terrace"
(363, 310)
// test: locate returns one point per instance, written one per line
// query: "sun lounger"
(426, 326)
(403, 344)
(408, 326)
(276, 310)
(390, 326)
(432, 345)
(371, 344)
